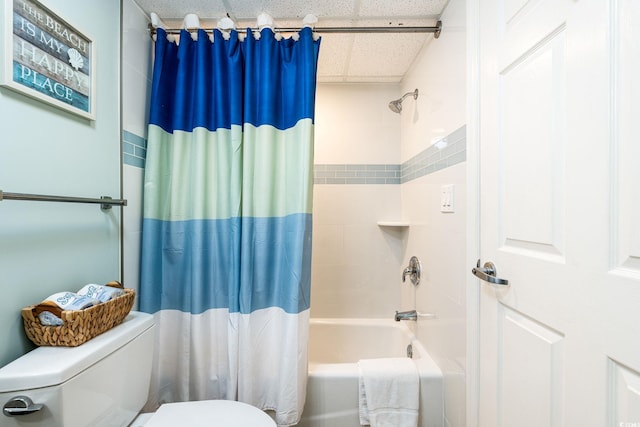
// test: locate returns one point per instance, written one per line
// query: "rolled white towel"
(49, 319)
(56, 303)
(72, 301)
(100, 292)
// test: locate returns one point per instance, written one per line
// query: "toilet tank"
(103, 382)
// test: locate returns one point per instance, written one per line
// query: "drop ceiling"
(343, 57)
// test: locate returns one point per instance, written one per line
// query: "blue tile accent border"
(357, 174)
(444, 153)
(134, 149)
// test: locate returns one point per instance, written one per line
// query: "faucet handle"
(406, 271)
(413, 270)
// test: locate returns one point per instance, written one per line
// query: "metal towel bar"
(105, 202)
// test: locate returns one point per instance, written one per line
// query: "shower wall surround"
(374, 165)
(445, 152)
(356, 264)
(439, 238)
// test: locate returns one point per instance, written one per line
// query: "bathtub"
(336, 345)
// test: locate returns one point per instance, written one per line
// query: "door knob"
(488, 273)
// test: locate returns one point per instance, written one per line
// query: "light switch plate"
(447, 198)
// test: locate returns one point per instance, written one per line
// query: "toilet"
(104, 382)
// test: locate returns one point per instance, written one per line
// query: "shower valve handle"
(413, 270)
(406, 271)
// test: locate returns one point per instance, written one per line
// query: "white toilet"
(104, 382)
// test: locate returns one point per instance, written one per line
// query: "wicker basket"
(79, 326)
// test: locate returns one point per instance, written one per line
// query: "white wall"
(355, 262)
(52, 247)
(136, 84)
(439, 239)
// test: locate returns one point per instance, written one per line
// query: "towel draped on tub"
(388, 392)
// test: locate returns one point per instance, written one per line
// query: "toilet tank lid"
(50, 366)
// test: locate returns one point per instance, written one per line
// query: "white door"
(559, 142)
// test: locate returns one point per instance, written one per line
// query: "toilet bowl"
(104, 382)
(208, 413)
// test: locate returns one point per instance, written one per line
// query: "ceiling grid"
(343, 57)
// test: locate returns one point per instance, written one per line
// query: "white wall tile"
(439, 239)
(133, 193)
(439, 73)
(136, 69)
(355, 263)
(328, 244)
(135, 95)
(354, 125)
(136, 83)
(135, 37)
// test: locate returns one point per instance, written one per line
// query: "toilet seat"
(209, 413)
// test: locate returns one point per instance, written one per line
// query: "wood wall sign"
(46, 58)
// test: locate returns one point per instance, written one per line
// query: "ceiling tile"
(334, 54)
(384, 54)
(284, 9)
(343, 57)
(416, 8)
(370, 79)
(178, 8)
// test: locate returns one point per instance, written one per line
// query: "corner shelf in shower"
(396, 224)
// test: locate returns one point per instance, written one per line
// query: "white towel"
(388, 392)
(72, 301)
(99, 292)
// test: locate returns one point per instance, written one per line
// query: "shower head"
(396, 106)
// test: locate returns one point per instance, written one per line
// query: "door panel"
(625, 393)
(531, 105)
(560, 212)
(522, 28)
(531, 371)
(626, 111)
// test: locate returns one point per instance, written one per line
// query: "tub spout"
(406, 315)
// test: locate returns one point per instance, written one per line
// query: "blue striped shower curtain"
(226, 241)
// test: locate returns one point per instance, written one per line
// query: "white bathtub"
(336, 345)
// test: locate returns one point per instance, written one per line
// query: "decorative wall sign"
(46, 58)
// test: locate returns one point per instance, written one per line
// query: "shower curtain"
(226, 241)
